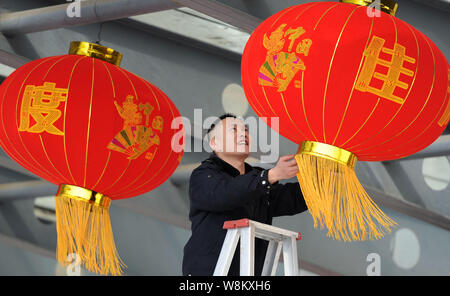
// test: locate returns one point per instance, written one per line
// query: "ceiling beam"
(439, 4)
(180, 39)
(90, 11)
(26, 246)
(441, 147)
(95, 11)
(26, 190)
(224, 13)
(408, 209)
(8, 163)
(12, 60)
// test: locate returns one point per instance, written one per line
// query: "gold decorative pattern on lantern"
(147, 110)
(41, 103)
(157, 123)
(280, 67)
(136, 138)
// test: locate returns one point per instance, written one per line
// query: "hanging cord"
(99, 35)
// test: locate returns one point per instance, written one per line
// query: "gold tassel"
(334, 196)
(84, 228)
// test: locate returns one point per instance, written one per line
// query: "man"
(225, 187)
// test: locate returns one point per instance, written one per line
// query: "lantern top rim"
(96, 51)
(387, 6)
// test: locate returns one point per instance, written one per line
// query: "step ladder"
(245, 229)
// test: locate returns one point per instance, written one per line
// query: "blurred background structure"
(191, 49)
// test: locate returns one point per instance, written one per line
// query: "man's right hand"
(285, 168)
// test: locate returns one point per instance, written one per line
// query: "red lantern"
(98, 131)
(346, 83)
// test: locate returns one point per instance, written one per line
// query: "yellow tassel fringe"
(337, 200)
(85, 229)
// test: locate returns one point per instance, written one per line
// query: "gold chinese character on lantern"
(41, 104)
(157, 123)
(147, 109)
(395, 67)
(280, 67)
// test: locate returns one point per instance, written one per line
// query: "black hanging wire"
(99, 34)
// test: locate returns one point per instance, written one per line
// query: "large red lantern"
(347, 83)
(99, 132)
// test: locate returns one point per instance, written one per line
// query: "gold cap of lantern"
(96, 51)
(387, 6)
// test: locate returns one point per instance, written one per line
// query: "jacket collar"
(228, 168)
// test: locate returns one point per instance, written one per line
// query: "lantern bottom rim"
(329, 152)
(85, 195)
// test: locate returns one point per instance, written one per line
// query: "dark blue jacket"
(217, 193)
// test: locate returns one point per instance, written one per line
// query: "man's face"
(230, 136)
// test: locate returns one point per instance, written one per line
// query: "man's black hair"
(221, 117)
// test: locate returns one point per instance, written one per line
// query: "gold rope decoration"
(84, 228)
(334, 196)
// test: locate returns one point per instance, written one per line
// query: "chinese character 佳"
(41, 104)
(395, 68)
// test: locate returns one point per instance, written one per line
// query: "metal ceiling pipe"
(77, 13)
(439, 4)
(224, 13)
(26, 190)
(434, 150)
(12, 60)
